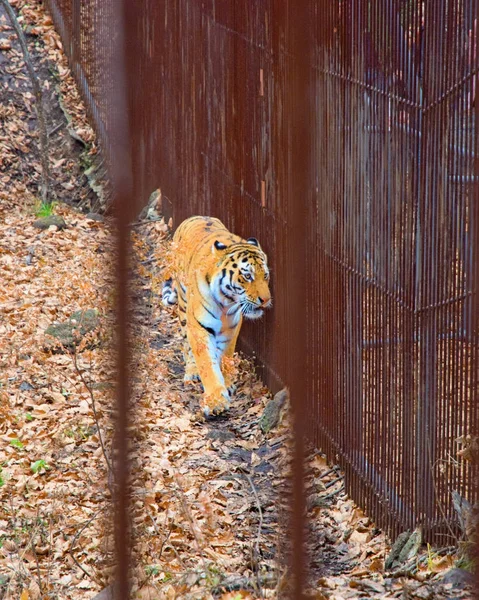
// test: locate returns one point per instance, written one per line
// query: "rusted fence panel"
(381, 190)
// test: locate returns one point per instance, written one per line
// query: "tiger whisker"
(233, 308)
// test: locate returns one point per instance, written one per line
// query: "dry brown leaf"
(34, 590)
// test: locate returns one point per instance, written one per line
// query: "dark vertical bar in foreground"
(121, 177)
(298, 99)
(474, 240)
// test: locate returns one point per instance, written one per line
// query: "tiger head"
(241, 283)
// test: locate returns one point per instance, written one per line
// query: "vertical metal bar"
(299, 124)
(474, 269)
(122, 181)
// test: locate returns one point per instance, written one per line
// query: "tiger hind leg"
(169, 295)
(191, 370)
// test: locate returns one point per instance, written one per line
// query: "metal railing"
(344, 136)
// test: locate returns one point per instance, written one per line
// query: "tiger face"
(242, 281)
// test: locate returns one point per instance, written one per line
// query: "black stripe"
(209, 311)
(226, 296)
(208, 280)
(183, 323)
(208, 329)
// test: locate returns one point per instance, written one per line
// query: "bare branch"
(39, 100)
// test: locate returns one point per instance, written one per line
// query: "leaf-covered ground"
(208, 498)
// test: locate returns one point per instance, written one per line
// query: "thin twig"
(333, 493)
(93, 405)
(145, 222)
(39, 100)
(180, 494)
(260, 527)
(332, 482)
(32, 545)
(55, 129)
(72, 545)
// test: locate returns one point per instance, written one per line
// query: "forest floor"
(209, 498)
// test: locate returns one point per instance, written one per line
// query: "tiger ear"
(217, 245)
(253, 241)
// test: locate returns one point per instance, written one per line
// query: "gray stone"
(411, 547)
(110, 593)
(96, 217)
(458, 578)
(26, 387)
(46, 222)
(151, 211)
(71, 332)
(398, 545)
(272, 411)
(220, 435)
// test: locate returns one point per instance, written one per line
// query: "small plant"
(152, 570)
(2, 480)
(79, 434)
(16, 443)
(28, 416)
(213, 576)
(44, 209)
(430, 558)
(38, 466)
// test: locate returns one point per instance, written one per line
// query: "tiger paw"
(191, 378)
(232, 387)
(216, 402)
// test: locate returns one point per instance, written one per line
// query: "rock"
(109, 593)
(95, 217)
(46, 222)
(317, 501)
(151, 212)
(411, 547)
(398, 545)
(458, 578)
(71, 332)
(272, 411)
(219, 435)
(26, 387)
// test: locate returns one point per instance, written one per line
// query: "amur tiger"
(217, 279)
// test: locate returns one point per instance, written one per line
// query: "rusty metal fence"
(344, 136)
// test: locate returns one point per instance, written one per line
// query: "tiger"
(216, 279)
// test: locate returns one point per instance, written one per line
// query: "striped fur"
(218, 278)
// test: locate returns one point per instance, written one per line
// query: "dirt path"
(209, 499)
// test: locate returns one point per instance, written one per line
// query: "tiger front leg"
(228, 366)
(216, 397)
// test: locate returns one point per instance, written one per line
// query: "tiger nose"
(264, 301)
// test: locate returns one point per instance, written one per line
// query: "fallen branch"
(72, 546)
(39, 100)
(258, 534)
(93, 406)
